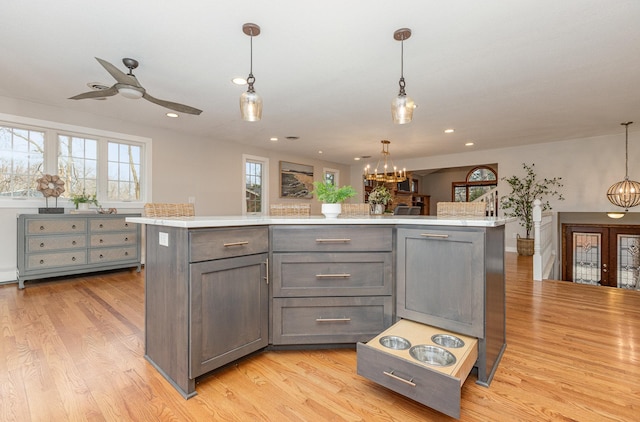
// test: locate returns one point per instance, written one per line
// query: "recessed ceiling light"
(356, 158)
(274, 139)
(469, 144)
(172, 114)
(319, 152)
(239, 81)
(449, 130)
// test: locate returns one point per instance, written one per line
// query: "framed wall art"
(296, 180)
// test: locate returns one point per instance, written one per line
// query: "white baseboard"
(8, 276)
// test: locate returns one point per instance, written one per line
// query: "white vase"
(377, 209)
(83, 206)
(331, 210)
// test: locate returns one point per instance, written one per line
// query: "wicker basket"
(290, 210)
(169, 210)
(525, 246)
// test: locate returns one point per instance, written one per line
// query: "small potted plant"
(519, 203)
(82, 201)
(379, 197)
(332, 197)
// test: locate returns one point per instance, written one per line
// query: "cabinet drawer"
(205, 245)
(58, 225)
(438, 387)
(113, 239)
(329, 320)
(47, 243)
(332, 274)
(112, 254)
(97, 225)
(55, 260)
(332, 239)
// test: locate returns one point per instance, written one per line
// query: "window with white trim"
(331, 175)
(115, 167)
(255, 182)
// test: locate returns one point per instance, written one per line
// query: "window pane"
(253, 186)
(123, 171)
(78, 170)
(21, 162)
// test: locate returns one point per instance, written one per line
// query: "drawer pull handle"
(441, 236)
(41, 227)
(344, 275)
(395, 377)
(333, 319)
(333, 240)
(42, 245)
(245, 242)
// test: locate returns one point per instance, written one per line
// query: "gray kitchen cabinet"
(451, 281)
(65, 244)
(206, 299)
(330, 284)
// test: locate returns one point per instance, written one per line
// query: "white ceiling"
(501, 72)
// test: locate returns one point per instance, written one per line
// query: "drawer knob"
(101, 241)
(42, 245)
(41, 227)
(395, 377)
(42, 261)
(101, 256)
(226, 245)
(73, 258)
(126, 239)
(73, 226)
(126, 224)
(73, 243)
(126, 254)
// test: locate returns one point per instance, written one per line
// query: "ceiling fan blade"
(96, 94)
(118, 74)
(173, 106)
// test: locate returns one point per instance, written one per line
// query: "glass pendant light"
(402, 106)
(625, 193)
(250, 102)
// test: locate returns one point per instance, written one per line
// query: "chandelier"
(385, 174)
(626, 193)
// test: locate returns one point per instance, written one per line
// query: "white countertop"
(239, 220)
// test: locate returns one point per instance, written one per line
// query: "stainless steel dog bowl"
(395, 342)
(433, 355)
(446, 340)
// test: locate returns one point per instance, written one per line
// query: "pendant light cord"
(626, 149)
(401, 83)
(251, 79)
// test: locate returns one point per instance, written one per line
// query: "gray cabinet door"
(440, 276)
(229, 315)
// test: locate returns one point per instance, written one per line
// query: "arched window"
(479, 181)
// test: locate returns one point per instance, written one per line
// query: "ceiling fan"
(128, 86)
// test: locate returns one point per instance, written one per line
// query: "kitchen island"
(220, 288)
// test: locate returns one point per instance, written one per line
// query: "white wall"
(587, 166)
(183, 167)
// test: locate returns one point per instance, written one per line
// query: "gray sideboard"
(57, 245)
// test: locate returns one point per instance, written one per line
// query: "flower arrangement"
(380, 195)
(328, 193)
(83, 198)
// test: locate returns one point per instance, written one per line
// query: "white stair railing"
(543, 254)
(491, 198)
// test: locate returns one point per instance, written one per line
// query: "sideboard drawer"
(113, 254)
(47, 243)
(113, 239)
(52, 260)
(332, 239)
(55, 225)
(207, 244)
(332, 274)
(98, 225)
(330, 320)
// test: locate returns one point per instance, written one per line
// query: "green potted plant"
(332, 197)
(379, 197)
(82, 201)
(519, 203)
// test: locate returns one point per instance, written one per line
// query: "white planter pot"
(83, 206)
(377, 209)
(331, 210)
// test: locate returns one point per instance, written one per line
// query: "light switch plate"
(163, 239)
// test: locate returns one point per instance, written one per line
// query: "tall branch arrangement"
(519, 203)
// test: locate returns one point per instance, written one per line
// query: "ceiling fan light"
(131, 93)
(402, 109)
(250, 106)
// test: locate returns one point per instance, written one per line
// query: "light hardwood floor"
(72, 350)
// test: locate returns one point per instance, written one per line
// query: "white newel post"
(537, 255)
